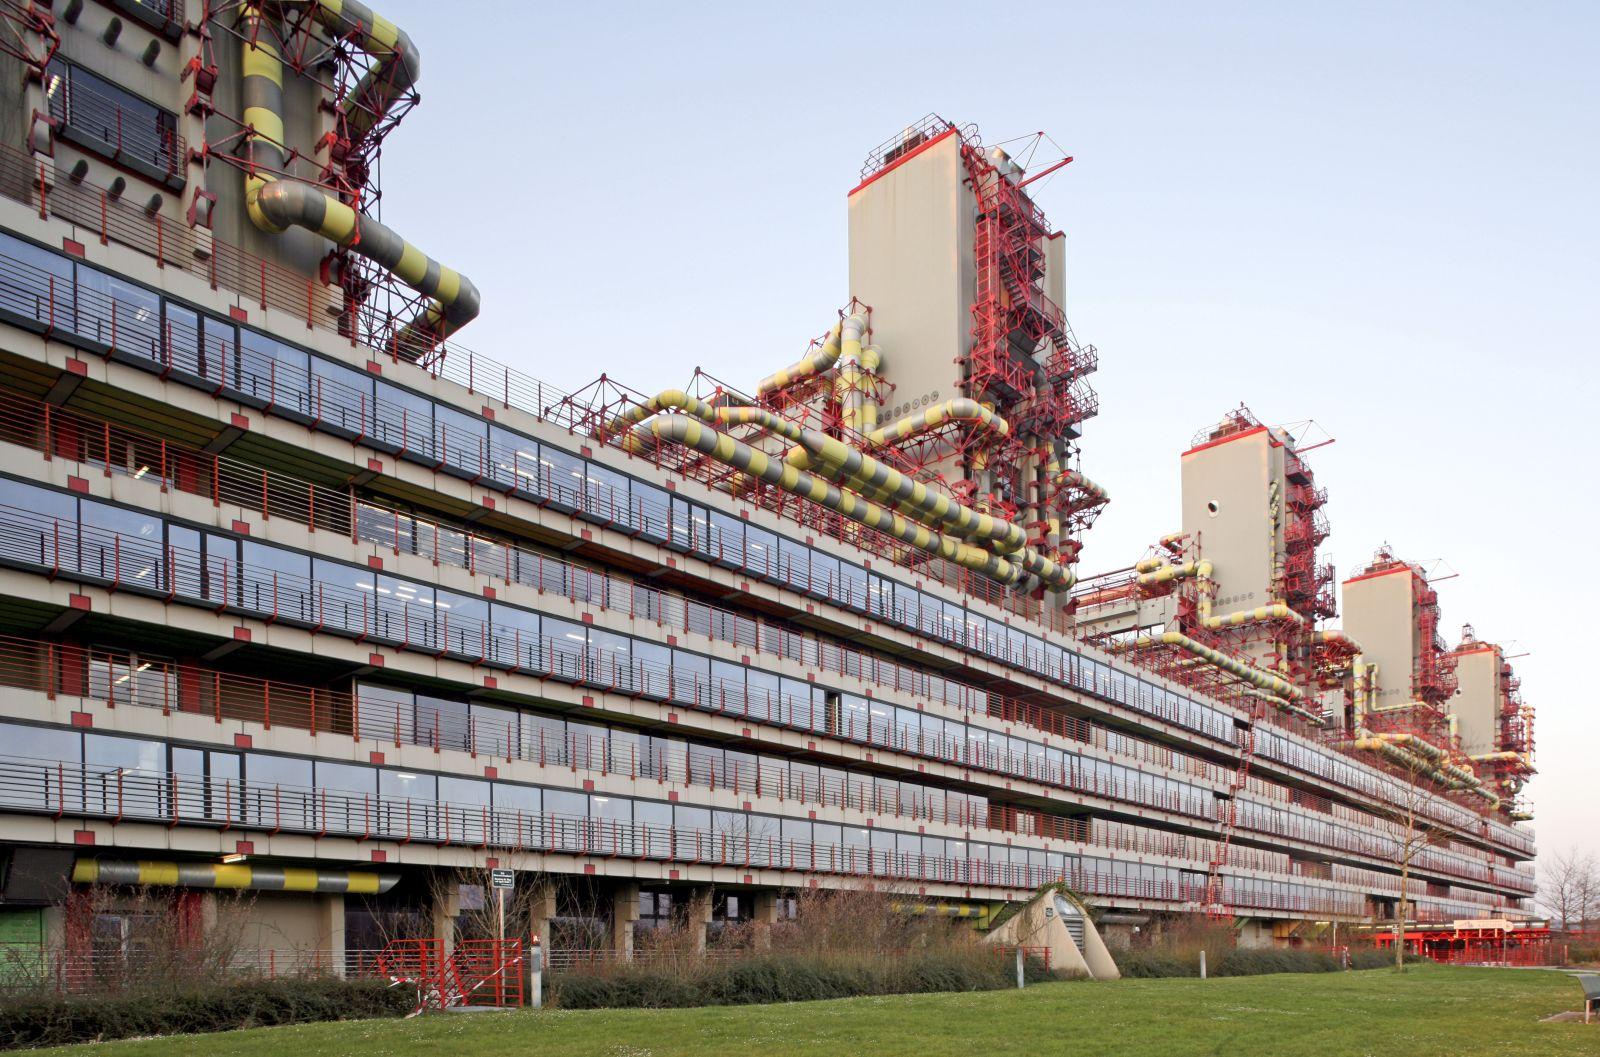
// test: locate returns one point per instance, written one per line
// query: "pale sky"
(1379, 216)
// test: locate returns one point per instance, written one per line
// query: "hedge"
(782, 977)
(53, 1021)
(1250, 962)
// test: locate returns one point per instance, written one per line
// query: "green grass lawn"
(1428, 1012)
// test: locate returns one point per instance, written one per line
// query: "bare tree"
(1570, 888)
(1411, 830)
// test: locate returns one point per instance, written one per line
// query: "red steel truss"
(28, 34)
(378, 306)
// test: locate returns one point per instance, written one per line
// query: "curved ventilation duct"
(275, 203)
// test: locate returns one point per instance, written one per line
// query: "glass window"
(276, 581)
(118, 314)
(442, 723)
(462, 440)
(274, 373)
(495, 730)
(111, 120)
(403, 420)
(121, 545)
(655, 828)
(514, 458)
(404, 611)
(42, 743)
(726, 545)
(606, 495)
(561, 478)
(345, 777)
(129, 754)
(41, 288)
(341, 399)
(411, 785)
(344, 596)
(37, 525)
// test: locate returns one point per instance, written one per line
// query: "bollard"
(1202, 963)
(1020, 979)
(536, 967)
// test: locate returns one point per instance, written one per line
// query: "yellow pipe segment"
(1073, 477)
(276, 203)
(845, 335)
(681, 429)
(961, 409)
(1413, 753)
(1257, 677)
(229, 875)
(1157, 571)
(1294, 710)
(858, 406)
(860, 471)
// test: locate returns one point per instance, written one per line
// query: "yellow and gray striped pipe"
(681, 429)
(1096, 493)
(855, 392)
(276, 204)
(1154, 571)
(229, 875)
(961, 409)
(1414, 754)
(1256, 677)
(928, 507)
(858, 470)
(845, 335)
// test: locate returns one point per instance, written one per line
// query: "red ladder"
(1216, 909)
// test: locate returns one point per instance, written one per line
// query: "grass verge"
(1427, 1012)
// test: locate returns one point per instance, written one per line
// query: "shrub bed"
(786, 977)
(53, 1021)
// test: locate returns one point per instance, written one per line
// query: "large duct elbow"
(276, 203)
(282, 204)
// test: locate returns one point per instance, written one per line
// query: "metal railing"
(122, 681)
(134, 562)
(99, 121)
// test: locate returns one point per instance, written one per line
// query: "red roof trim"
(1381, 572)
(907, 156)
(1225, 440)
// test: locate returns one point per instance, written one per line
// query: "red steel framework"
(28, 34)
(377, 306)
(1433, 665)
(1511, 761)
(1023, 362)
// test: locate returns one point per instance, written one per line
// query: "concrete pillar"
(698, 915)
(330, 931)
(53, 926)
(446, 908)
(765, 915)
(208, 913)
(541, 909)
(624, 912)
